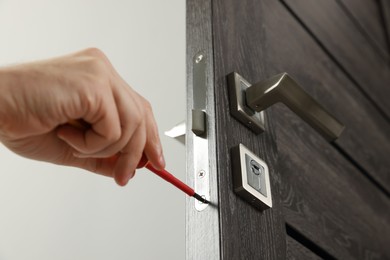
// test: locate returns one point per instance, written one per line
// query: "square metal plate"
(251, 178)
(238, 108)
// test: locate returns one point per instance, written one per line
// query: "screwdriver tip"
(200, 198)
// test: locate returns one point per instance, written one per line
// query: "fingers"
(105, 127)
(122, 127)
(130, 157)
(153, 149)
(143, 146)
(142, 163)
(145, 143)
(131, 114)
(139, 140)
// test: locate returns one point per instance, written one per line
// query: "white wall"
(52, 212)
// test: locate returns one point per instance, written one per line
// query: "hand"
(38, 99)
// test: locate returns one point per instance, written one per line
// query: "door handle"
(249, 99)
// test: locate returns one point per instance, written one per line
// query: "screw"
(201, 174)
(199, 58)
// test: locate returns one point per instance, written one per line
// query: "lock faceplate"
(251, 178)
(200, 141)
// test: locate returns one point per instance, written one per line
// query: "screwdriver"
(176, 182)
(164, 174)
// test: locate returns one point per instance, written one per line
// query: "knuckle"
(93, 89)
(95, 52)
(97, 62)
(148, 106)
(98, 67)
(137, 120)
(89, 101)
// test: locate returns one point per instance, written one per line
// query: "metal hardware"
(199, 58)
(281, 88)
(177, 132)
(251, 178)
(201, 174)
(198, 122)
(199, 128)
(238, 108)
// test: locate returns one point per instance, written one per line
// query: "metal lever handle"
(282, 88)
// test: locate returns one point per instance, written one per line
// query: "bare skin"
(37, 100)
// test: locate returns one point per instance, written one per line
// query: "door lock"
(251, 178)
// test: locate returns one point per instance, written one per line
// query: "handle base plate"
(238, 107)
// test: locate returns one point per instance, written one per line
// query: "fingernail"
(119, 183)
(162, 161)
(128, 178)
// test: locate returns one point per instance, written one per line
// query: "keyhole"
(255, 167)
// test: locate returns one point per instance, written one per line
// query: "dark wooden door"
(330, 200)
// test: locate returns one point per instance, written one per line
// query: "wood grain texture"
(246, 233)
(325, 197)
(296, 251)
(367, 16)
(366, 138)
(202, 228)
(385, 6)
(337, 33)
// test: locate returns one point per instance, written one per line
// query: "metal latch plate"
(199, 128)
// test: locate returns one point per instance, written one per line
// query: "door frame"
(202, 227)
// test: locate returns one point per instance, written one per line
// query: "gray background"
(52, 212)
